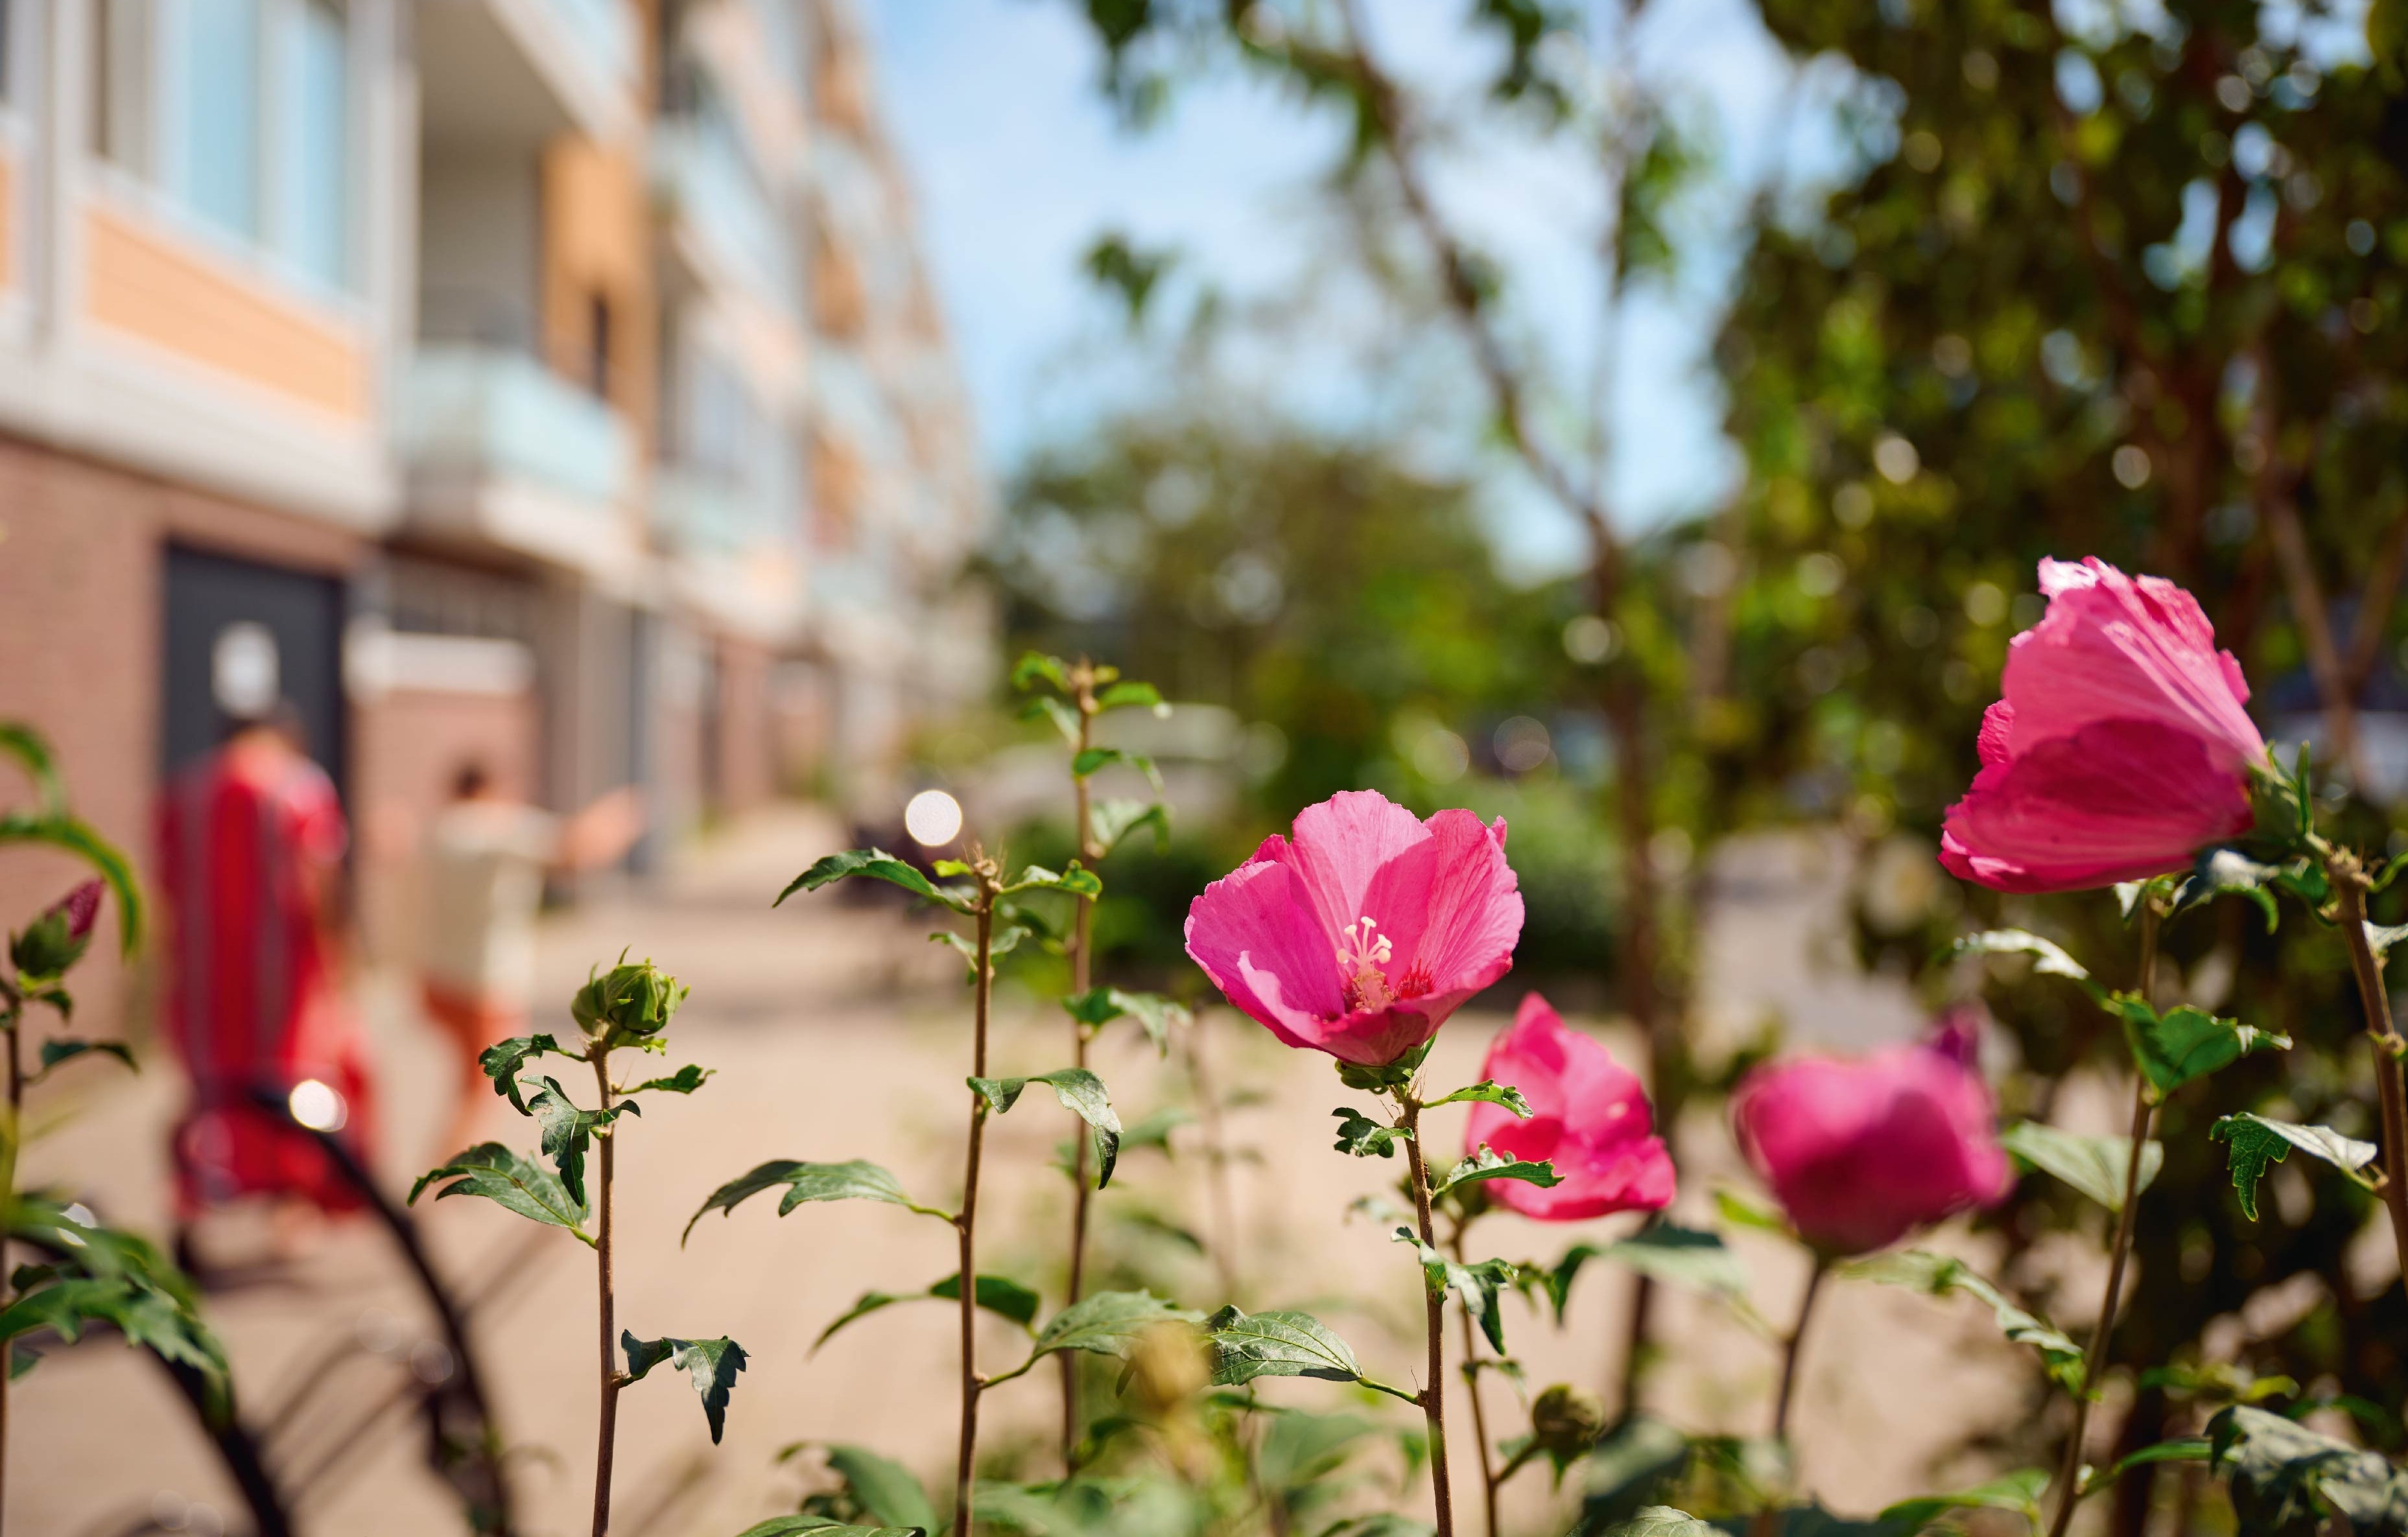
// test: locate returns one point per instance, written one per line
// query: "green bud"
(1565, 1422)
(56, 940)
(626, 1004)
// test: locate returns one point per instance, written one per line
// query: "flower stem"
(1789, 1348)
(2350, 877)
(1433, 1394)
(1489, 1476)
(1082, 919)
(2069, 1478)
(12, 1013)
(607, 1432)
(967, 1223)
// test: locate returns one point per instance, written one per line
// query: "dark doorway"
(294, 616)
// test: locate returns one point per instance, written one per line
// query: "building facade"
(551, 384)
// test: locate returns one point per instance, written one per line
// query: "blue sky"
(1019, 165)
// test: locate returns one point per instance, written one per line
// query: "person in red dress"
(252, 840)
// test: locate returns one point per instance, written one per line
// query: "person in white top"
(486, 859)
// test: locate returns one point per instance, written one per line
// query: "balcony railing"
(704, 511)
(608, 31)
(487, 411)
(701, 175)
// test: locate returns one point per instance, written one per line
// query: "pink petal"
(1998, 724)
(1589, 1118)
(1255, 924)
(1451, 906)
(1340, 846)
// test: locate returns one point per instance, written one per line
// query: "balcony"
(721, 219)
(517, 72)
(501, 450)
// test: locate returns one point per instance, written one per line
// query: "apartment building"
(468, 371)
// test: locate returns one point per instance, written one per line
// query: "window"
(213, 82)
(312, 145)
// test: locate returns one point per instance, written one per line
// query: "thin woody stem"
(2351, 878)
(2069, 1478)
(967, 1223)
(607, 1432)
(1433, 1394)
(12, 1013)
(1083, 918)
(1790, 1349)
(1489, 1478)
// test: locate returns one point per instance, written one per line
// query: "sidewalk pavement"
(837, 1032)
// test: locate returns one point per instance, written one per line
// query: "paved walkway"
(837, 1032)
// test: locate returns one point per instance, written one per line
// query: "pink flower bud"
(82, 909)
(1588, 1116)
(1363, 933)
(1862, 1151)
(2120, 749)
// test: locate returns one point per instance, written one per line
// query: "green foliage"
(1488, 1164)
(1677, 1256)
(1919, 1270)
(2018, 1491)
(78, 837)
(1081, 1092)
(2185, 1043)
(796, 1526)
(1113, 819)
(885, 1490)
(568, 1131)
(57, 1050)
(710, 1365)
(97, 1275)
(1477, 1285)
(1362, 1136)
(502, 1061)
(685, 1080)
(1157, 1015)
(515, 1183)
(1661, 1521)
(2095, 1166)
(1627, 1469)
(1109, 1323)
(2287, 1480)
(996, 1294)
(629, 1005)
(855, 1179)
(1073, 881)
(1280, 1344)
(1485, 1093)
(2255, 1141)
(875, 864)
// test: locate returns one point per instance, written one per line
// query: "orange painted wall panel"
(138, 282)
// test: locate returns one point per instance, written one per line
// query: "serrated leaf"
(2287, 1478)
(1076, 881)
(1081, 1092)
(1131, 694)
(1485, 1093)
(2048, 957)
(2255, 1141)
(1278, 1344)
(1678, 1256)
(685, 1080)
(56, 1051)
(996, 1294)
(1661, 1521)
(1937, 1274)
(1112, 820)
(1362, 1136)
(2095, 1166)
(710, 1365)
(819, 1526)
(514, 1183)
(503, 1060)
(2185, 1043)
(1488, 1163)
(875, 864)
(569, 1131)
(1107, 1323)
(1477, 1285)
(2018, 1491)
(856, 1179)
(105, 1276)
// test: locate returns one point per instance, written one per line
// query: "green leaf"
(877, 864)
(1359, 1135)
(56, 1051)
(105, 1276)
(1112, 819)
(1662, 1521)
(1155, 1015)
(711, 1365)
(107, 859)
(2016, 1491)
(1036, 667)
(2095, 1166)
(2187, 1449)
(1075, 881)
(33, 754)
(1154, 1131)
(2185, 1043)
(1477, 1285)
(1384, 1524)
(1485, 1093)
(1095, 760)
(685, 1080)
(2221, 872)
(1627, 1467)
(2048, 957)
(996, 1294)
(1081, 1092)
(518, 1184)
(1107, 1324)
(502, 1061)
(1919, 1270)
(1279, 1344)
(856, 1179)
(1131, 694)
(819, 1526)
(1064, 718)
(1741, 1211)
(885, 1490)
(568, 1131)
(2288, 1479)
(1677, 1256)
(1488, 1163)
(2255, 1141)
(2381, 938)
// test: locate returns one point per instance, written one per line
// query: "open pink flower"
(1362, 933)
(2122, 745)
(1588, 1116)
(1862, 1151)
